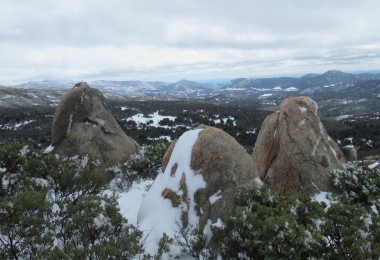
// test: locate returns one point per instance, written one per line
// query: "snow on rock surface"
(203, 173)
(215, 197)
(159, 214)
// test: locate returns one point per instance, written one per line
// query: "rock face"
(203, 172)
(83, 125)
(293, 150)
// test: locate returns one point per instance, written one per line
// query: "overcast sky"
(193, 39)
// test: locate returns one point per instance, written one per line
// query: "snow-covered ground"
(151, 119)
(130, 201)
(14, 126)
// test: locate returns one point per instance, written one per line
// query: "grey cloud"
(245, 37)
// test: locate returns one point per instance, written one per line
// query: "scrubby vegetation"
(56, 208)
(268, 225)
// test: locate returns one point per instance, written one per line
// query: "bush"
(268, 225)
(93, 228)
(141, 166)
(53, 208)
(358, 185)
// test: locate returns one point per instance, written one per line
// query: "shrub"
(53, 208)
(93, 228)
(268, 225)
(358, 185)
(143, 165)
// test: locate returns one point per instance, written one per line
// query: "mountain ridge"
(333, 87)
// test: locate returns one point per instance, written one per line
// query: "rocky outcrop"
(226, 168)
(203, 172)
(293, 150)
(83, 125)
(350, 153)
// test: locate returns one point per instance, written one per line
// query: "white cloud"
(169, 40)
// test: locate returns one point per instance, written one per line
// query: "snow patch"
(14, 126)
(373, 165)
(265, 96)
(216, 196)
(219, 223)
(157, 214)
(162, 137)
(291, 89)
(251, 131)
(24, 151)
(324, 197)
(303, 109)
(342, 117)
(49, 149)
(130, 201)
(258, 181)
(152, 119)
(223, 120)
(207, 231)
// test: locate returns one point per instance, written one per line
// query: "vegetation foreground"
(56, 208)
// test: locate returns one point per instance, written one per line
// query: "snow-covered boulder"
(293, 150)
(83, 125)
(203, 172)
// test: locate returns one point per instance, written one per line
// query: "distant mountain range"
(330, 89)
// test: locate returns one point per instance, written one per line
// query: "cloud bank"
(194, 39)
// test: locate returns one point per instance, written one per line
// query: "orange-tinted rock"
(293, 150)
(225, 166)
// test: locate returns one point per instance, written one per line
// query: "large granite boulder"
(203, 172)
(83, 125)
(293, 150)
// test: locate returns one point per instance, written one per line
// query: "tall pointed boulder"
(293, 150)
(83, 125)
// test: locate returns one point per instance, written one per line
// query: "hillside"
(148, 120)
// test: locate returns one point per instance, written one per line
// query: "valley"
(349, 105)
(150, 120)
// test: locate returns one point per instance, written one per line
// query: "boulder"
(83, 125)
(203, 172)
(293, 150)
(350, 153)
